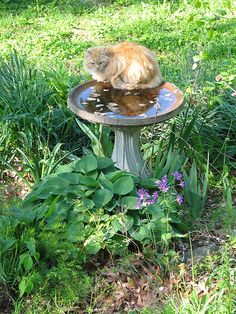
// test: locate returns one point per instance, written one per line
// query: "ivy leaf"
(102, 197)
(123, 185)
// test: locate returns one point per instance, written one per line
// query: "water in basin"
(102, 99)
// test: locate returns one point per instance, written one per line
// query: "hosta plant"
(85, 207)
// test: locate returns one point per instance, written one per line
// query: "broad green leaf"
(123, 185)
(200, 22)
(28, 263)
(93, 248)
(31, 246)
(52, 208)
(105, 183)
(128, 222)
(113, 176)
(89, 192)
(25, 286)
(24, 216)
(75, 232)
(149, 183)
(78, 190)
(136, 217)
(116, 223)
(141, 233)
(102, 197)
(190, 19)
(123, 224)
(22, 286)
(88, 181)
(66, 168)
(73, 178)
(87, 203)
(104, 162)
(86, 164)
(92, 245)
(156, 211)
(129, 202)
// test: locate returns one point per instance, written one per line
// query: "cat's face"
(96, 59)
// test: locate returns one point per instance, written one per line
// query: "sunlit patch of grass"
(51, 34)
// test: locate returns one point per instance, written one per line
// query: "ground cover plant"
(90, 238)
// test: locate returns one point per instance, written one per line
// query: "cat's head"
(96, 59)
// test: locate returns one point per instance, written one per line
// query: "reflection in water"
(102, 99)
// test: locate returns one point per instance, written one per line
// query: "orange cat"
(125, 66)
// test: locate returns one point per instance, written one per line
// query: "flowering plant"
(145, 199)
(161, 209)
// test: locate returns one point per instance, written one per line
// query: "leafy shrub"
(85, 207)
(96, 205)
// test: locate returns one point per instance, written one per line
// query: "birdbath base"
(126, 153)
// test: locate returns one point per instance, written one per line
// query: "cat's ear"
(89, 51)
(106, 51)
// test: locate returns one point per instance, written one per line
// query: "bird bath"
(127, 112)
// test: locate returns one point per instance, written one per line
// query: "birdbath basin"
(127, 112)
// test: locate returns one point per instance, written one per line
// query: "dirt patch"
(6, 304)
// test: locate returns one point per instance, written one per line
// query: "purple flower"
(163, 185)
(142, 194)
(182, 184)
(145, 199)
(164, 179)
(138, 204)
(149, 202)
(155, 196)
(180, 199)
(177, 175)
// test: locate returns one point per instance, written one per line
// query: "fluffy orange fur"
(126, 66)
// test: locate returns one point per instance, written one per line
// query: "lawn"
(78, 243)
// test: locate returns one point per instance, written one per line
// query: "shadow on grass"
(69, 6)
(42, 6)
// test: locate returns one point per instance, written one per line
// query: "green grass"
(58, 33)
